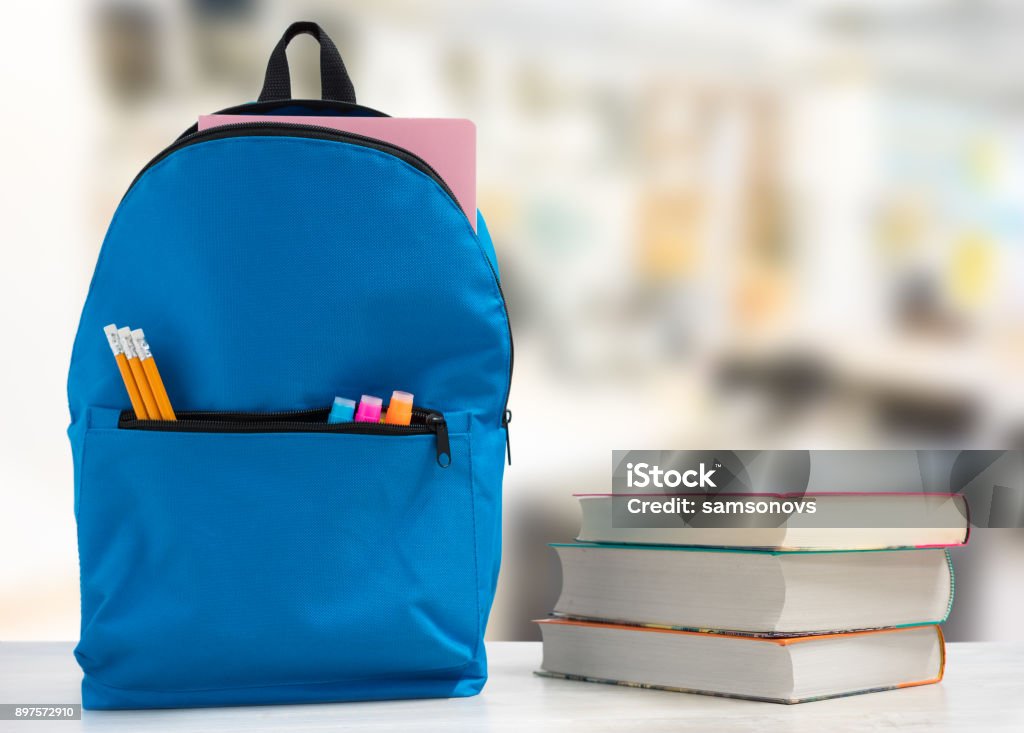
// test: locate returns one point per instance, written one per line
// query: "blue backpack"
(250, 552)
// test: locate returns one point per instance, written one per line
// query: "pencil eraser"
(125, 336)
(141, 345)
(112, 339)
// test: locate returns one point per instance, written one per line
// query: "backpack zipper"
(289, 129)
(316, 132)
(424, 422)
(333, 108)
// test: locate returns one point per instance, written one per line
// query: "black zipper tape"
(424, 422)
(288, 129)
(331, 107)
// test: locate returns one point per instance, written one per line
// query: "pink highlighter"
(368, 409)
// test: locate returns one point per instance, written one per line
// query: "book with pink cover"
(447, 145)
(840, 521)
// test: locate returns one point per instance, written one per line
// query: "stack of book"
(788, 614)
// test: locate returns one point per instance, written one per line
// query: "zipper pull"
(439, 426)
(505, 420)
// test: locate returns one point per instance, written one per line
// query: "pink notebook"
(448, 145)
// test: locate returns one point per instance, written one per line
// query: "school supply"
(750, 592)
(342, 411)
(368, 409)
(447, 145)
(784, 670)
(124, 334)
(738, 620)
(134, 396)
(399, 409)
(251, 552)
(827, 529)
(156, 382)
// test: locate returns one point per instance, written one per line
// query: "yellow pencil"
(125, 335)
(126, 373)
(156, 384)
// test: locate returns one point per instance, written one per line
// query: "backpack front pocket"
(226, 559)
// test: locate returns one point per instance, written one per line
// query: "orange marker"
(156, 384)
(399, 409)
(125, 335)
(126, 373)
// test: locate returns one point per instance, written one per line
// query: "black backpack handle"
(334, 81)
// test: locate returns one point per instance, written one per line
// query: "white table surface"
(983, 691)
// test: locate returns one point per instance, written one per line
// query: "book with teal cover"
(754, 593)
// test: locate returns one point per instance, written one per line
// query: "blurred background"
(721, 224)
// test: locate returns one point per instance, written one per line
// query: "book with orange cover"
(783, 670)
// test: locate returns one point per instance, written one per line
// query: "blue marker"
(342, 410)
